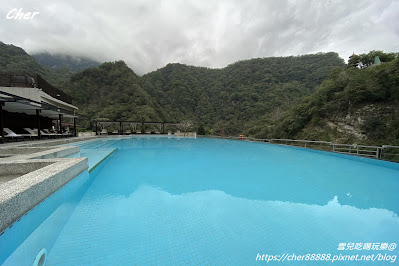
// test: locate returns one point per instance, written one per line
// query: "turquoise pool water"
(168, 201)
(94, 150)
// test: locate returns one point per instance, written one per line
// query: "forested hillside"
(314, 97)
(15, 59)
(242, 95)
(112, 92)
(351, 106)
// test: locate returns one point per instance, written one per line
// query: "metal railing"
(360, 150)
(314, 144)
(385, 152)
(17, 80)
(390, 153)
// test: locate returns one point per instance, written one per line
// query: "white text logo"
(18, 14)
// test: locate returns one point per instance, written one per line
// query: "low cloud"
(149, 34)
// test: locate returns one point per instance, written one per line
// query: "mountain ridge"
(60, 61)
(315, 97)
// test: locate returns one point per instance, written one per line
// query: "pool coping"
(39, 171)
(23, 193)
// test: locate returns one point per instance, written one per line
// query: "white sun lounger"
(30, 131)
(46, 131)
(33, 133)
(11, 133)
(42, 133)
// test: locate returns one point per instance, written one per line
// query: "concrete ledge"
(45, 142)
(19, 153)
(58, 152)
(21, 194)
(21, 167)
(20, 150)
(86, 134)
(55, 142)
(30, 172)
(187, 134)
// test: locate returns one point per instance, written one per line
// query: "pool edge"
(102, 160)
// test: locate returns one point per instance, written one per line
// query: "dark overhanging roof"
(6, 97)
(28, 80)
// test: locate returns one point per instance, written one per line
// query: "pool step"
(102, 145)
(97, 164)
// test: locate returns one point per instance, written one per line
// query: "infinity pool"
(167, 201)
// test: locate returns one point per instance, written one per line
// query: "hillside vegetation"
(15, 59)
(112, 92)
(351, 106)
(315, 97)
(241, 95)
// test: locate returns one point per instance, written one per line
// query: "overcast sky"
(148, 34)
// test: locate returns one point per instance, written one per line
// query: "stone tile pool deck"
(32, 171)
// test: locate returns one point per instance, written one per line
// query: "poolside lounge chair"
(46, 131)
(11, 134)
(104, 132)
(128, 132)
(30, 131)
(115, 132)
(42, 133)
(34, 132)
(67, 134)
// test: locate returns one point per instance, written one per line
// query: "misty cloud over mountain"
(148, 34)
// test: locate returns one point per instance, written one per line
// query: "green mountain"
(314, 97)
(111, 91)
(350, 106)
(235, 99)
(59, 62)
(15, 59)
(241, 96)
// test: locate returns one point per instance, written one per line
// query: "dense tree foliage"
(280, 97)
(241, 95)
(368, 59)
(111, 91)
(344, 93)
(237, 99)
(15, 59)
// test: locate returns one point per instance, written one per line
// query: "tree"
(201, 130)
(354, 60)
(186, 125)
